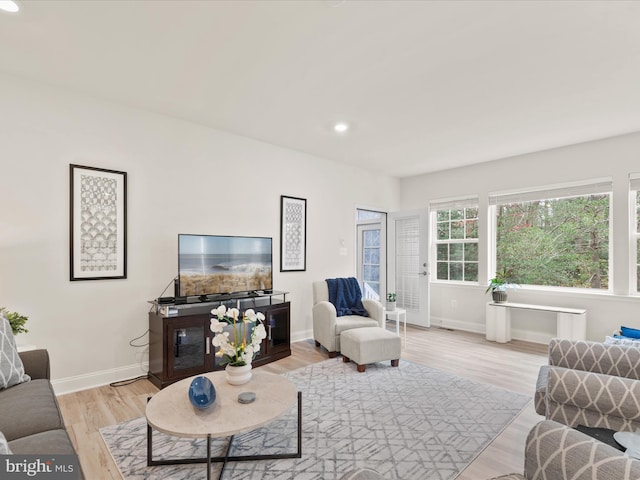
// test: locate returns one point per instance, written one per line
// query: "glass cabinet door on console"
(179, 347)
(277, 345)
(190, 352)
(277, 325)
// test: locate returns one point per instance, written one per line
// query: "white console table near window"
(398, 314)
(571, 322)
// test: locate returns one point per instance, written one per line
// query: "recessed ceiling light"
(341, 127)
(9, 6)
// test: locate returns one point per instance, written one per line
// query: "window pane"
(457, 230)
(443, 231)
(455, 271)
(456, 251)
(471, 213)
(368, 255)
(443, 216)
(369, 215)
(443, 271)
(457, 214)
(471, 272)
(471, 229)
(471, 252)
(371, 238)
(443, 252)
(638, 212)
(556, 242)
(371, 273)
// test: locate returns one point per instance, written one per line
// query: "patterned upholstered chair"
(590, 384)
(327, 326)
(556, 452)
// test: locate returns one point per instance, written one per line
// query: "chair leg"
(345, 359)
(333, 354)
(317, 343)
(395, 363)
(362, 368)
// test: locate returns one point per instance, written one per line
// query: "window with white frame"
(371, 254)
(634, 186)
(557, 236)
(455, 243)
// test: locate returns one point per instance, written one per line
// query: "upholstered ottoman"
(370, 345)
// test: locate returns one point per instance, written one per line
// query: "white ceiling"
(428, 85)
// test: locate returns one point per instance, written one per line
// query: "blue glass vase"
(202, 394)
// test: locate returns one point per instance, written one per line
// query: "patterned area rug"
(407, 422)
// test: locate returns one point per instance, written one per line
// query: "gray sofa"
(30, 417)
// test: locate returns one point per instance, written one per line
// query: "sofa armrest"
(375, 310)
(618, 360)
(575, 398)
(557, 451)
(540, 395)
(36, 363)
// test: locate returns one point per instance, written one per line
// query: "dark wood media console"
(180, 335)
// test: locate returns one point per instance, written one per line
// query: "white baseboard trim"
(301, 336)
(516, 333)
(62, 386)
(98, 379)
(457, 325)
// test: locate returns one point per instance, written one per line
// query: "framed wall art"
(98, 223)
(293, 234)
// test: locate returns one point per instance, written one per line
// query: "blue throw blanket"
(345, 295)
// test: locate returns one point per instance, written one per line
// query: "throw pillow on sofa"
(11, 367)
(630, 332)
(620, 340)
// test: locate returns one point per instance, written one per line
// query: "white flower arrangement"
(238, 352)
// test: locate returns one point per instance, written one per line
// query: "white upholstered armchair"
(327, 326)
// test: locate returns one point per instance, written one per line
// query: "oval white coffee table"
(169, 411)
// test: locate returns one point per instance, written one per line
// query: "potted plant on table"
(391, 302)
(237, 353)
(16, 321)
(499, 284)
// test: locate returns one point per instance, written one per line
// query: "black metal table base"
(226, 458)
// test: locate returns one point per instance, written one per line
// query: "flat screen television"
(217, 264)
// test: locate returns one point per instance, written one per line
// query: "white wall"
(463, 307)
(182, 178)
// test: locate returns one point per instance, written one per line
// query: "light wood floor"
(513, 366)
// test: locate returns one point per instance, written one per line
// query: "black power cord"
(122, 383)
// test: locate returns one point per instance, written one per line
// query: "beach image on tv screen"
(216, 264)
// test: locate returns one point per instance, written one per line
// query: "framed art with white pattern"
(98, 223)
(293, 234)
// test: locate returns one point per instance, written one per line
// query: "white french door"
(409, 264)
